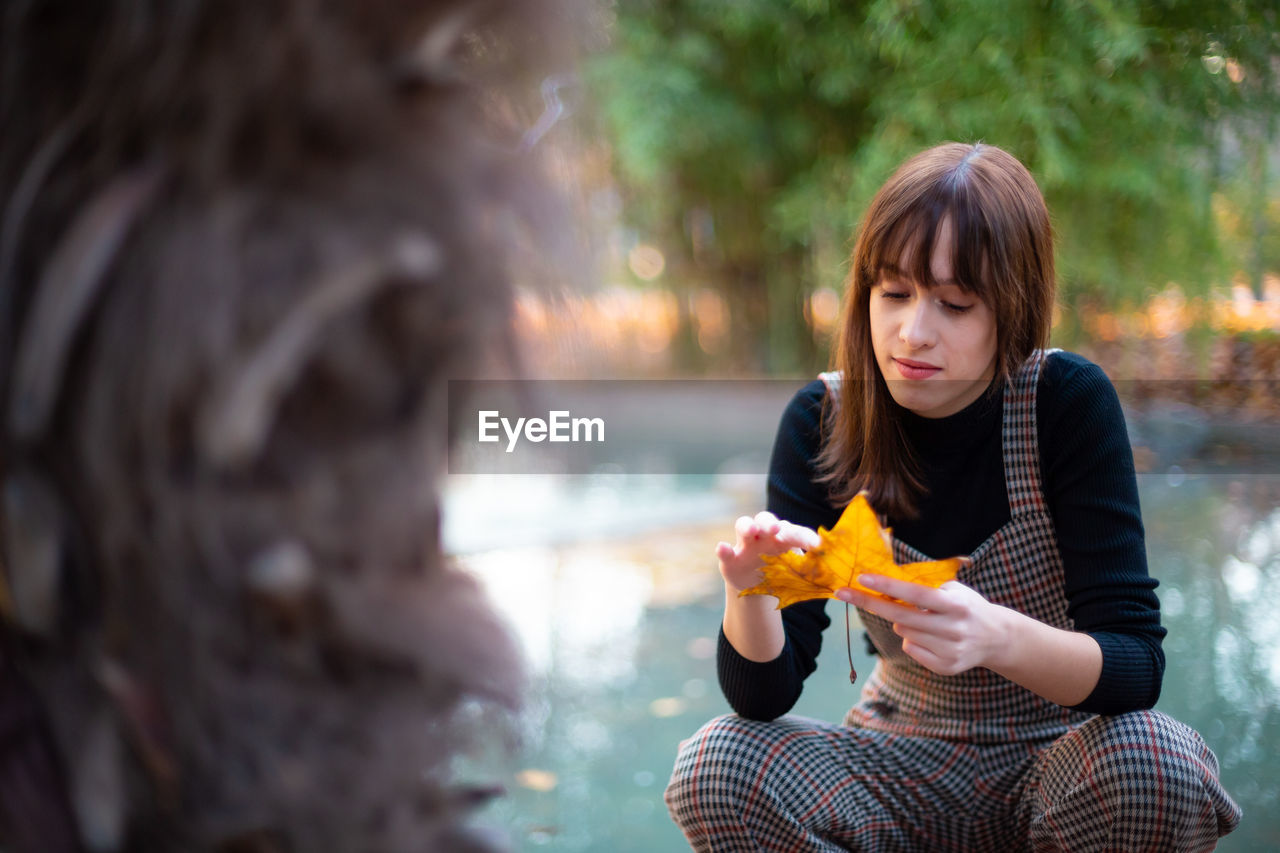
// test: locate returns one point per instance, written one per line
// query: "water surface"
(612, 588)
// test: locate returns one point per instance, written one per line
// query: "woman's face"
(936, 348)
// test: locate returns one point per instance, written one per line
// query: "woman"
(1009, 708)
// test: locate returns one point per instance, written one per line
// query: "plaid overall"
(970, 762)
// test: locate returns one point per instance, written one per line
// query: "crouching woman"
(1010, 708)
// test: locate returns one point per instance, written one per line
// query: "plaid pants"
(1135, 782)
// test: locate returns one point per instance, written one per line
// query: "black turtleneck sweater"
(1087, 475)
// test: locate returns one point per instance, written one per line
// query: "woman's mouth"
(915, 369)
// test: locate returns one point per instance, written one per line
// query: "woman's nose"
(917, 326)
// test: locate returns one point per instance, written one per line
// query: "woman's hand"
(765, 534)
(752, 624)
(947, 629)
(953, 629)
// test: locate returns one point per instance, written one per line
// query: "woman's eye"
(956, 309)
(894, 294)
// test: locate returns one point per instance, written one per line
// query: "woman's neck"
(953, 432)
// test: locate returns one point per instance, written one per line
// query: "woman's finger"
(915, 594)
(889, 610)
(909, 616)
(922, 655)
(798, 536)
(766, 518)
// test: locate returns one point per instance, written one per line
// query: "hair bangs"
(971, 261)
(906, 246)
(905, 250)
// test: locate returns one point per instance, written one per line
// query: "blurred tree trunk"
(792, 348)
(745, 292)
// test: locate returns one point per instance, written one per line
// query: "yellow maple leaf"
(856, 545)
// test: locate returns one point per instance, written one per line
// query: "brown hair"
(1002, 252)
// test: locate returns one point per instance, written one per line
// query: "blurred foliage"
(748, 137)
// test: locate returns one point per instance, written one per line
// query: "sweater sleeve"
(1091, 487)
(765, 691)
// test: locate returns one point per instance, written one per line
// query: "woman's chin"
(912, 395)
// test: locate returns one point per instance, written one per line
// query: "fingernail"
(868, 581)
(844, 595)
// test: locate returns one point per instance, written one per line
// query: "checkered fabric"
(966, 763)
(1018, 566)
(1139, 781)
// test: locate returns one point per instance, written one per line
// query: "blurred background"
(720, 155)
